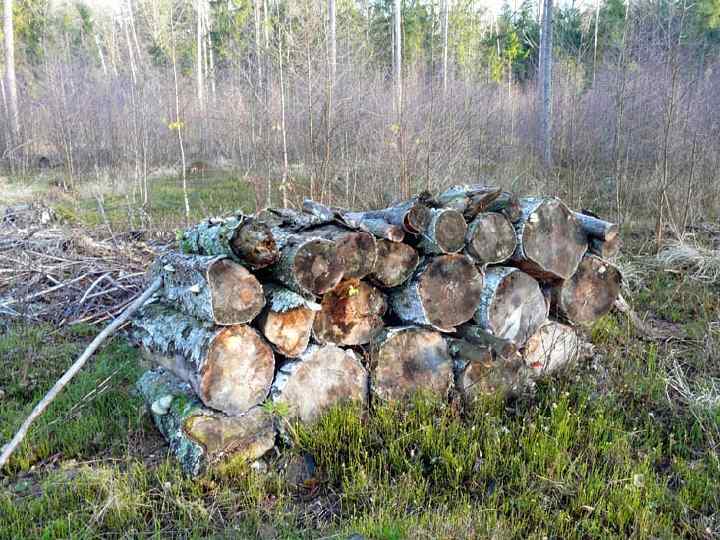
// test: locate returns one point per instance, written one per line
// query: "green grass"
(605, 450)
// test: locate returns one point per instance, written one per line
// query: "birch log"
(320, 378)
(200, 437)
(490, 239)
(589, 294)
(445, 232)
(395, 263)
(351, 314)
(596, 227)
(605, 249)
(470, 200)
(230, 368)
(512, 306)
(552, 347)
(479, 370)
(550, 240)
(478, 335)
(287, 320)
(378, 227)
(357, 250)
(214, 289)
(508, 204)
(443, 293)
(241, 238)
(412, 215)
(409, 359)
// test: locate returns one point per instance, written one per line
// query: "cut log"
(490, 238)
(322, 377)
(589, 294)
(241, 238)
(550, 240)
(445, 232)
(596, 227)
(200, 437)
(512, 306)
(477, 335)
(508, 204)
(469, 200)
(395, 263)
(412, 215)
(409, 359)
(481, 371)
(230, 368)
(287, 320)
(443, 293)
(351, 314)
(378, 227)
(356, 250)
(213, 289)
(552, 347)
(605, 249)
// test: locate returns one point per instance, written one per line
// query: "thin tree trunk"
(10, 82)
(332, 41)
(445, 23)
(199, 61)
(546, 62)
(286, 167)
(595, 39)
(178, 122)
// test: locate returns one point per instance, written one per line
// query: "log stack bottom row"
(290, 312)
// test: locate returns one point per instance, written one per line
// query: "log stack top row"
(473, 288)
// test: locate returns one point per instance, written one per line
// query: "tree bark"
(468, 199)
(445, 232)
(378, 227)
(10, 82)
(480, 371)
(200, 437)
(351, 314)
(395, 263)
(287, 320)
(443, 293)
(321, 378)
(512, 306)
(507, 204)
(597, 228)
(213, 289)
(356, 250)
(605, 249)
(244, 239)
(550, 240)
(412, 215)
(409, 359)
(589, 294)
(230, 368)
(478, 335)
(552, 347)
(490, 239)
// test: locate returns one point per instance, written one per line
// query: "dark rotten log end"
(255, 244)
(395, 263)
(317, 267)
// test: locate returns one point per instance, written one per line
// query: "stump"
(351, 314)
(214, 289)
(287, 320)
(550, 240)
(589, 294)
(512, 306)
(480, 371)
(490, 239)
(552, 347)
(395, 263)
(322, 377)
(445, 232)
(200, 437)
(230, 368)
(241, 238)
(443, 293)
(409, 359)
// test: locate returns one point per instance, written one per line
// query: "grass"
(607, 450)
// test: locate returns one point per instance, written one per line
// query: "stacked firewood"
(291, 311)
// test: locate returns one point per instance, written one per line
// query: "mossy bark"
(200, 437)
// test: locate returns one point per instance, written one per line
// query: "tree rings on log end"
(238, 371)
(490, 238)
(410, 359)
(317, 267)
(323, 377)
(395, 263)
(417, 219)
(590, 293)
(357, 251)
(551, 240)
(351, 314)
(512, 306)
(236, 295)
(552, 347)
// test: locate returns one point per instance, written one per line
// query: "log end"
(317, 267)
(395, 263)
(490, 238)
(236, 295)
(590, 293)
(357, 251)
(289, 331)
(254, 244)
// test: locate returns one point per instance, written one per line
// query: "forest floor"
(623, 445)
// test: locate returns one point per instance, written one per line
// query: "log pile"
(288, 312)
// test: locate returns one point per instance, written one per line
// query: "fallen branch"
(10, 447)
